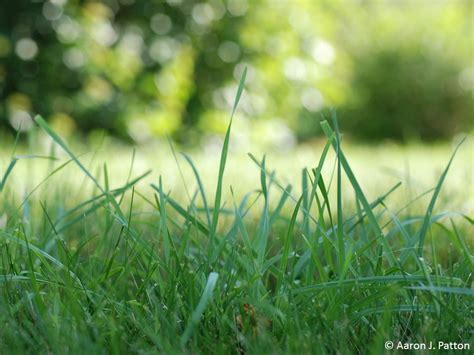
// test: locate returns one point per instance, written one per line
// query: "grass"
(135, 270)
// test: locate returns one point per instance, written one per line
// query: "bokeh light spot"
(323, 52)
(68, 30)
(312, 100)
(160, 24)
(20, 120)
(203, 14)
(26, 49)
(74, 58)
(52, 11)
(237, 7)
(163, 49)
(229, 51)
(105, 34)
(294, 68)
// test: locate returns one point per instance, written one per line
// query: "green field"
(107, 258)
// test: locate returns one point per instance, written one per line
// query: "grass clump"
(240, 276)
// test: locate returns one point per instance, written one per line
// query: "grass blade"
(205, 298)
(429, 211)
(223, 160)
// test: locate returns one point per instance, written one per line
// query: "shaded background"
(141, 70)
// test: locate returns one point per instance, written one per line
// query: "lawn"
(235, 253)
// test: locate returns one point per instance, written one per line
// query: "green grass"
(136, 270)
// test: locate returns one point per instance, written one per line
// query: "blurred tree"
(422, 100)
(131, 67)
(141, 69)
(411, 79)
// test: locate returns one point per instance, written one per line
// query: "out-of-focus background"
(117, 73)
(144, 69)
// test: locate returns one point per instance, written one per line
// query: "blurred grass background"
(380, 166)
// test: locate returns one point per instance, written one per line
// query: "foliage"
(411, 85)
(142, 69)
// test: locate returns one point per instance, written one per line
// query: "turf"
(270, 271)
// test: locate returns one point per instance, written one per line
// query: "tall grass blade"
(429, 211)
(361, 196)
(204, 300)
(223, 160)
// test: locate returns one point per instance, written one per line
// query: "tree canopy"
(141, 69)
